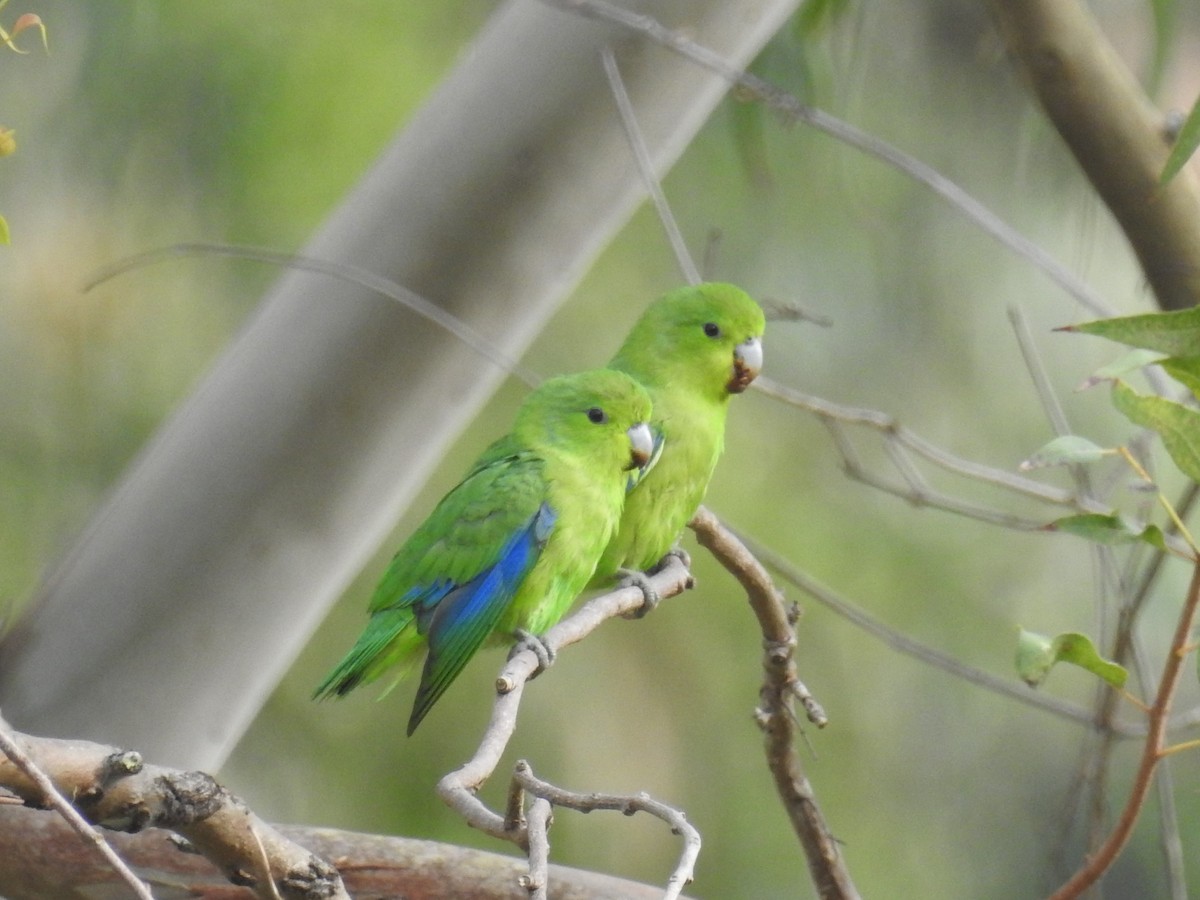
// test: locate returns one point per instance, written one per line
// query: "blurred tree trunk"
(1116, 133)
(209, 566)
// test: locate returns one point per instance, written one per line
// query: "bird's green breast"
(666, 499)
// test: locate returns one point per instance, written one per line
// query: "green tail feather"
(391, 638)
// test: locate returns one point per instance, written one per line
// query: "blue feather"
(457, 619)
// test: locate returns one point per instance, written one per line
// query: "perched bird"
(508, 549)
(692, 349)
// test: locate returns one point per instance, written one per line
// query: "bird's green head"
(598, 416)
(708, 337)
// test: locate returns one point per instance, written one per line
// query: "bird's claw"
(536, 645)
(650, 597)
(679, 553)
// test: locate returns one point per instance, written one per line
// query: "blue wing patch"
(457, 619)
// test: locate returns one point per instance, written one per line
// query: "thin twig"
(1153, 750)
(265, 864)
(898, 440)
(792, 109)
(458, 788)
(385, 287)
(1098, 743)
(627, 804)
(825, 864)
(902, 643)
(645, 166)
(836, 415)
(52, 796)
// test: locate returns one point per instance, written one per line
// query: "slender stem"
(826, 866)
(645, 166)
(1153, 751)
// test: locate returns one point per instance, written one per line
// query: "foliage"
(1185, 144)
(1037, 654)
(8, 144)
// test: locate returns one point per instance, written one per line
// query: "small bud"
(8, 143)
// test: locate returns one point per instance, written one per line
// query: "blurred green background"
(153, 123)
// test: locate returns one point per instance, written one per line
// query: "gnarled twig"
(628, 804)
(458, 788)
(825, 864)
(113, 789)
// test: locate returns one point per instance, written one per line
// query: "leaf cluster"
(1170, 340)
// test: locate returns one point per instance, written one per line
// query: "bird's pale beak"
(747, 363)
(642, 445)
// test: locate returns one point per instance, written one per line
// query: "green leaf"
(1178, 425)
(1113, 529)
(1185, 370)
(1064, 451)
(1164, 33)
(1037, 654)
(1130, 362)
(1173, 333)
(1185, 145)
(5, 237)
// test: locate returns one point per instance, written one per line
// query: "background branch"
(1153, 750)
(1116, 134)
(114, 789)
(792, 109)
(45, 860)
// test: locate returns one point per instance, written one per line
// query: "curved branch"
(825, 864)
(549, 795)
(459, 788)
(1116, 135)
(1153, 750)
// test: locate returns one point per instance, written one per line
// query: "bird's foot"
(536, 645)
(640, 580)
(676, 552)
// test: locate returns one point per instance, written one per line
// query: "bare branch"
(775, 717)
(540, 818)
(1152, 752)
(458, 789)
(902, 643)
(52, 797)
(627, 804)
(899, 440)
(792, 109)
(43, 858)
(1115, 133)
(351, 274)
(641, 155)
(115, 790)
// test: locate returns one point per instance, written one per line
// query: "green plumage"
(692, 350)
(514, 543)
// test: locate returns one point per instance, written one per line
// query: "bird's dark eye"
(712, 329)
(597, 416)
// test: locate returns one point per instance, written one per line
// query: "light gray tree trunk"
(209, 566)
